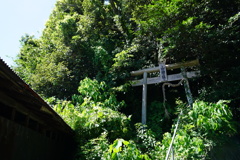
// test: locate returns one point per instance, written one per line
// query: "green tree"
(80, 40)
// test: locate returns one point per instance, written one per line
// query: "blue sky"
(19, 17)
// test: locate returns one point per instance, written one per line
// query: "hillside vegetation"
(81, 65)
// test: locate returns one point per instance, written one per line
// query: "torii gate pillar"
(144, 99)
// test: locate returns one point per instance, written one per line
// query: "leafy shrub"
(95, 148)
(91, 115)
(97, 92)
(145, 138)
(93, 121)
(89, 122)
(124, 150)
(202, 127)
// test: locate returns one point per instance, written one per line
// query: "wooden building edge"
(29, 127)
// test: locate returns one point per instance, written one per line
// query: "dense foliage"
(103, 133)
(87, 38)
(204, 126)
(105, 41)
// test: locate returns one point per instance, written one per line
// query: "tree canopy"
(88, 38)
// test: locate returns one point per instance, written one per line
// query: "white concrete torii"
(162, 68)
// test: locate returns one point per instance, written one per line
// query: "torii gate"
(162, 68)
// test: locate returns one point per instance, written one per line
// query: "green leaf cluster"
(201, 128)
(92, 113)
